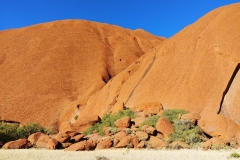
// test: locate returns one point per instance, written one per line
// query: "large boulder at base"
(192, 70)
(77, 146)
(18, 144)
(33, 138)
(165, 127)
(52, 144)
(42, 141)
(220, 126)
(50, 70)
(156, 142)
(124, 142)
(124, 122)
(104, 144)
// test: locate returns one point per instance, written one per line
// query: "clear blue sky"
(159, 17)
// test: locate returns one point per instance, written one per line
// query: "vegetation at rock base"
(187, 132)
(172, 114)
(108, 121)
(234, 155)
(151, 121)
(12, 131)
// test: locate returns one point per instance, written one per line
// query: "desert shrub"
(27, 130)
(186, 132)
(151, 121)
(8, 131)
(172, 114)
(234, 155)
(76, 117)
(12, 131)
(108, 121)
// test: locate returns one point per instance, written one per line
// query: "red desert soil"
(51, 68)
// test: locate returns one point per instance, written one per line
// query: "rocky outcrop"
(49, 71)
(193, 70)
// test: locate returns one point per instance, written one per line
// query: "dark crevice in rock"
(228, 86)
(144, 74)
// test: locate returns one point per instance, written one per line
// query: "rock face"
(53, 72)
(49, 71)
(193, 70)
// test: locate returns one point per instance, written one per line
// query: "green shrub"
(151, 121)
(108, 121)
(172, 114)
(234, 155)
(76, 117)
(12, 131)
(186, 132)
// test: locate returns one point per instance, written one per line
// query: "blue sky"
(159, 17)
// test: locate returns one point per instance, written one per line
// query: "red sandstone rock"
(165, 127)
(149, 129)
(52, 144)
(78, 137)
(135, 142)
(43, 140)
(193, 117)
(142, 144)
(18, 144)
(124, 122)
(124, 142)
(156, 142)
(142, 136)
(77, 146)
(105, 144)
(72, 59)
(120, 135)
(62, 137)
(33, 138)
(220, 126)
(192, 70)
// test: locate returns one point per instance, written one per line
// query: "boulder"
(66, 145)
(165, 127)
(192, 117)
(18, 144)
(77, 138)
(142, 136)
(124, 142)
(43, 140)
(62, 137)
(91, 144)
(79, 146)
(149, 129)
(33, 138)
(52, 144)
(156, 142)
(220, 126)
(135, 142)
(120, 135)
(104, 144)
(124, 122)
(138, 121)
(142, 144)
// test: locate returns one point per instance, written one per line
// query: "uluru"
(54, 71)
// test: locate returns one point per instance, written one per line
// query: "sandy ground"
(115, 154)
